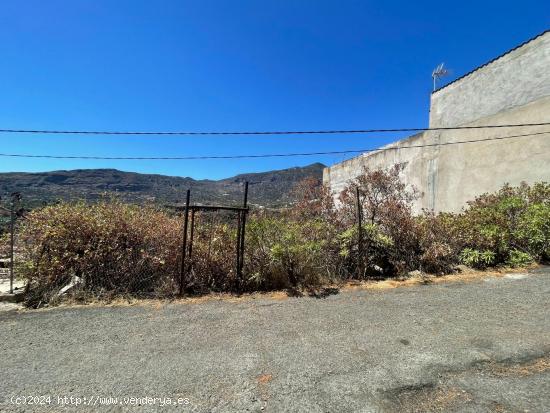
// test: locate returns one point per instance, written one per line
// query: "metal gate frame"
(187, 245)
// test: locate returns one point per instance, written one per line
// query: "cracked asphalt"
(481, 346)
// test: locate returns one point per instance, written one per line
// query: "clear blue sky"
(233, 65)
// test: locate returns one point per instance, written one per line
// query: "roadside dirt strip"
(477, 346)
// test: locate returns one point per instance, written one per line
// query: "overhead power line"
(296, 132)
(275, 155)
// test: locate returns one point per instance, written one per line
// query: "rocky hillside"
(272, 189)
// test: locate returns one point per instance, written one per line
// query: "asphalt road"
(481, 346)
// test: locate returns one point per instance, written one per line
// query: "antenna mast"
(438, 73)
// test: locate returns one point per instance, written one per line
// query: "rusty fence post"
(191, 237)
(12, 241)
(242, 232)
(359, 231)
(184, 246)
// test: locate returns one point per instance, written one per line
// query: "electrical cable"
(276, 155)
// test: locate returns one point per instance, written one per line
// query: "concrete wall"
(466, 170)
(416, 159)
(450, 175)
(515, 79)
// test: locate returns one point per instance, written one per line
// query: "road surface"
(481, 346)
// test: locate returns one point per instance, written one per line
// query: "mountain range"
(268, 189)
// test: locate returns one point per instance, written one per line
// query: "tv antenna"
(438, 73)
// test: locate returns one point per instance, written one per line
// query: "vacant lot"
(469, 347)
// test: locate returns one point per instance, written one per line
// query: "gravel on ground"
(478, 346)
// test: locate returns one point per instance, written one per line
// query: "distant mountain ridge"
(270, 189)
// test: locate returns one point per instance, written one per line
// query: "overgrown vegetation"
(112, 248)
(510, 227)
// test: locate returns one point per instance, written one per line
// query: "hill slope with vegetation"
(270, 189)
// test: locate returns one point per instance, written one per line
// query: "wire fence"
(109, 249)
(214, 235)
(10, 218)
(4, 248)
(126, 254)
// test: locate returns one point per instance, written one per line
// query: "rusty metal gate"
(190, 215)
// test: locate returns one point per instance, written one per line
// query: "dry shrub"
(4, 233)
(381, 194)
(510, 227)
(439, 244)
(120, 249)
(213, 263)
(314, 201)
(4, 245)
(113, 248)
(387, 206)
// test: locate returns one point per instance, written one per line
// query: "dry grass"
(158, 304)
(425, 399)
(468, 276)
(540, 365)
(442, 399)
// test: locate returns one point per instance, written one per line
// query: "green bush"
(375, 256)
(514, 218)
(533, 230)
(519, 259)
(477, 259)
(285, 253)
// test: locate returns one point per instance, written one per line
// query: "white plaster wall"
(450, 175)
(514, 89)
(515, 79)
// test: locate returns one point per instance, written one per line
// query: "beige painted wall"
(513, 89)
(450, 175)
(467, 170)
(511, 81)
